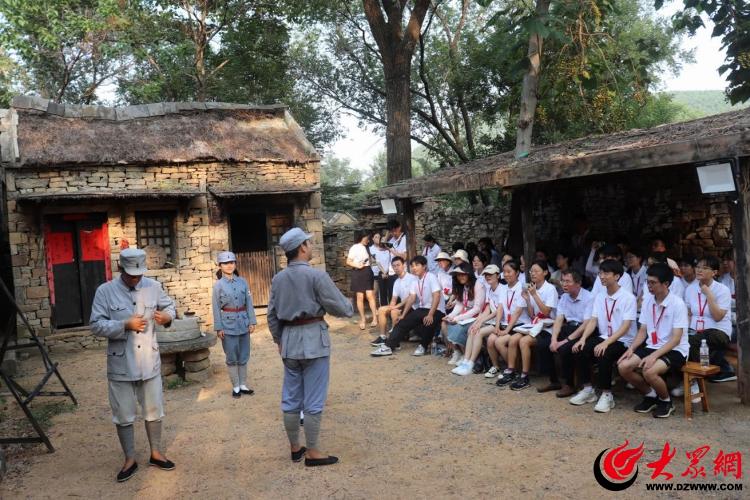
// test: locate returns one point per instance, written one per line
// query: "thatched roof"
(52, 134)
(711, 138)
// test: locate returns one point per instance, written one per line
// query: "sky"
(361, 146)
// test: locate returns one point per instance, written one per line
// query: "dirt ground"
(403, 427)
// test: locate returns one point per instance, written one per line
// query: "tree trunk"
(530, 86)
(398, 118)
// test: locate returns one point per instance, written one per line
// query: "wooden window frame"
(141, 225)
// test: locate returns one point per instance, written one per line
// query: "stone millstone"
(168, 358)
(200, 376)
(196, 366)
(188, 345)
(180, 330)
(193, 356)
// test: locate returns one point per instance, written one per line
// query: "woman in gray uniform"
(124, 311)
(234, 321)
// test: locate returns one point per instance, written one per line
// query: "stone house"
(181, 180)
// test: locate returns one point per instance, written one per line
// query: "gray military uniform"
(132, 357)
(298, 292)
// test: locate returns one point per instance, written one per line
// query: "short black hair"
(573, 274)
(688, 259)
(711, 262)
(542, 265)
(611, 266)
(662, 272)
(292, 254)
(458, 245)
(397, 258)
(637, 251)
(419, 259)
(514, 264)
(482, 256)
(393, 224)
(429, 238)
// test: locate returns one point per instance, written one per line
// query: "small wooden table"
(693, 370)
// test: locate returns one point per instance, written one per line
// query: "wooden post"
(514, 244)
(741, 237)
(527, 228)
(410, 229)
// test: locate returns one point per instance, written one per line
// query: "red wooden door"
(77, 250)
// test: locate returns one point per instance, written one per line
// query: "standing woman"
(362, 279)
(382, 269)
(234, 320)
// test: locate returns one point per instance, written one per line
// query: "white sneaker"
(679, 391)
(419, 351)
(465, 369)
(461, 363)
(606, 402)
(383, 350)
(455, 358)
(491, 373)
(585, 395)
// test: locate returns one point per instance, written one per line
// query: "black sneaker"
(645, 406)
(378, 341)
(520, 383)
(506, 379)
(663, 409)
(723, 377)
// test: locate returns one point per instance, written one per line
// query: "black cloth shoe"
(377, 342)
(663, 409)
(314, 462)
(249, 392)
(236, 395)
(126, 474)
(506, 379)
(161, 464)
(520, 383)
(646, 405)
(722, 377)
(297, 455)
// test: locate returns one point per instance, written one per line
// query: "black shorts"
(673, 359)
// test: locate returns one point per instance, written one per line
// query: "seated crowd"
(617, 311)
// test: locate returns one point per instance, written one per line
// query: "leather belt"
(234, 309)
(303, 321)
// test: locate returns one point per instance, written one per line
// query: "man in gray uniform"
(300, 297)
(125, 310)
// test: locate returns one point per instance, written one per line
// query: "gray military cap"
(226, 257)
(293, 238)
(133, 261)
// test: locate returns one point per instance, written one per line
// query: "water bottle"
(704, 353)
(433, 348)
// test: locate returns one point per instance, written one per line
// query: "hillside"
(699, 103)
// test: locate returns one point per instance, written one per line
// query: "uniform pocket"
(117, 363)
(325, 339)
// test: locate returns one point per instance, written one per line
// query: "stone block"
(200, 376)
(197, 366)
(37, 292)
(193, 356)
(170, 379)
(168, 368)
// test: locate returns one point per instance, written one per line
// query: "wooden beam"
(741, 237)
(527, 228)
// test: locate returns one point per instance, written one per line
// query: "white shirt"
(625, 282)
(611, 310)
(424, 288)
(701, 318)
(383, 257)
(446, 282)
(469, 308)
(493, 298)
(727, 280)
(403, 286)
(358, 254)
(661, 319)
(685, 285)
(399, 244)
(578, 309)
(430, 253)
(638, 280)
(510, 300)
(548, 294)
(481, 279)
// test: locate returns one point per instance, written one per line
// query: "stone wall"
(201, 228)
(337, 240)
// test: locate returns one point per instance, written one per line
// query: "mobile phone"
(389, 245)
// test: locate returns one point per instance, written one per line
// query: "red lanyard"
(654, 337)
(420, 288)
(508, 303)
(700, 323)
(701, 306)
(610, 312)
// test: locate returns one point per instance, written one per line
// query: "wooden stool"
(696, 371)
